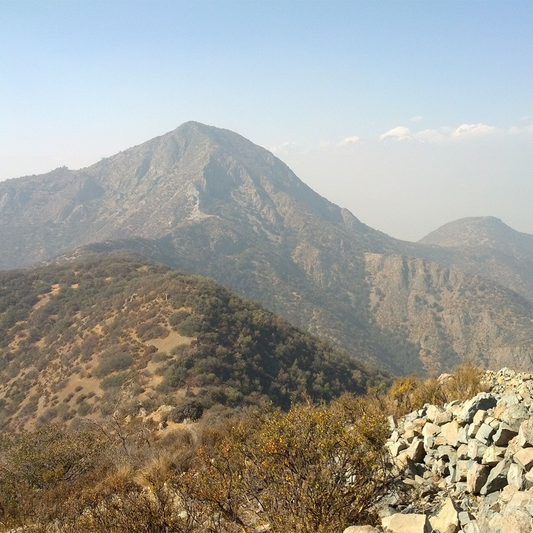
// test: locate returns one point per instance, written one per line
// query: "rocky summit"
(466, 466)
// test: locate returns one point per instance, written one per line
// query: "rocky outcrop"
(466, 466)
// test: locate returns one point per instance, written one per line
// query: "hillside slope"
(83, 338)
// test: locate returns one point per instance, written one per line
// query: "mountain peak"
(192, 175)
(470, 232)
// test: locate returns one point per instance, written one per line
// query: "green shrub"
(190, 327)
(192, 410)
(178, 317)
(114, 381)
(113, 363)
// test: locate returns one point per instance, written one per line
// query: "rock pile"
(469, 465)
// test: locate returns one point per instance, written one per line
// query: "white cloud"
(399, 132)
(434, 135)
(442, 134)
(418, 118)
(473, 130)
(349, 140)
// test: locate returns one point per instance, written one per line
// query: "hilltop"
(88, 337)
(485, 246)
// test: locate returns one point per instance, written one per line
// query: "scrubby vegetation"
(310, 469)
(407, 394)
(313, 468)
(80, 339)
(137, 398)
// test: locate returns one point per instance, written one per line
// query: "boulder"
(518, 522)
(443, 417)
(447, 519)
(463, 466)
(493, 455)
(497, 478)
(525, 434)
(448, 453)
(476, 450)
(476, 478)
(430, 430)
(515, 476)
(483, 401)
(520, 500)
(504, 434)
(406, 523)
(524, 458)
(462, 435)
(462, 451)
(484, 433)
(450, 432)
(432, 411)
(396, 447)
(416, 451)
(514, 415)
(479, 417)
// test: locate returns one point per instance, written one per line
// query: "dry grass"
(407, 394)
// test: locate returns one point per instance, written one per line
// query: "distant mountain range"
(210, 202)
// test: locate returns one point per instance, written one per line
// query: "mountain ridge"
(210, 202)
(115, 329)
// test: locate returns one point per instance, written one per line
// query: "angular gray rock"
(504, 434)
(476, 450)
(484, 433)
(497, 478)
(483, 400)
(484, 461)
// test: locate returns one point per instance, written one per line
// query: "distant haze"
(408, 188)
(410, 114)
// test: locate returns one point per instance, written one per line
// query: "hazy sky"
(409, 113)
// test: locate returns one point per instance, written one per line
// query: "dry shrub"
(465, 382)
(407, 394)
(311, 469)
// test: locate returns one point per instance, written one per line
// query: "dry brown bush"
(407, 394)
